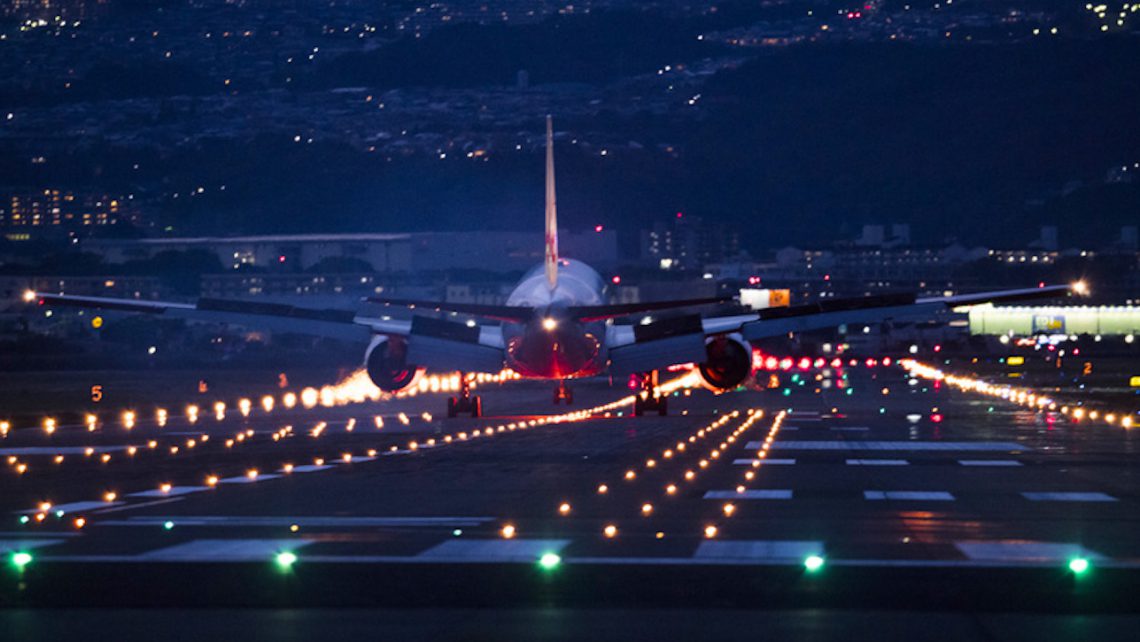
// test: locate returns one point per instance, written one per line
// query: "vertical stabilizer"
(551, 211)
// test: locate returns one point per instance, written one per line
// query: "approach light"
(549, 324)
(549, 561)
(813, 563)
(1080, 287)
(286, 559)
(1078, 565)
(20, 559)
(29, 296)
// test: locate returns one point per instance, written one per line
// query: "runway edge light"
(549, 561)
(20, 559)
(1078, 565)
(286, 559)
(813, 563)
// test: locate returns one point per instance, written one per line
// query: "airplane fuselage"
(552, 345)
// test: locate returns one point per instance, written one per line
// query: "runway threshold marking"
(493, 550)
(1024, 551)
(223, 550)
(753, 550)
(877, 462)
(988, 462)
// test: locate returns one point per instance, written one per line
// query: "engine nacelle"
(387, 364)
(727, 364)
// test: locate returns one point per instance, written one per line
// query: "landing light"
(549, 324)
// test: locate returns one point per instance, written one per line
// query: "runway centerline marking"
(770, 493)
(908, 495)
(877, 462)
(1002, 446)
(1068, 497)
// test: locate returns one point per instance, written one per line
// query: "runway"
(897, 491)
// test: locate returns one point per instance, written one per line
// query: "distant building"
(32, 212)
(688, 243)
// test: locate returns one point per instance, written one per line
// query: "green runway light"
(168, 525)
(1078, 565)
(286, 559)
(457, 532)
(24, 519)
(813, 563)
(21, 559)
(549, 561)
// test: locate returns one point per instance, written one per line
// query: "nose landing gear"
(563, 393)
(648, 399)
(465, 402)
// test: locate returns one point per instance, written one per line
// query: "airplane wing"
(331, 323)
(640, 348)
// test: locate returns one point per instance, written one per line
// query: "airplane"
(556, 325)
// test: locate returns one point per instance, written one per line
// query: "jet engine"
(727, 364)
(387, 364)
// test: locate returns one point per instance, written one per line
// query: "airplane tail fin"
(551, 260)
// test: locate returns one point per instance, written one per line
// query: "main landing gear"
(563, 393)
(648, 399)
(465, 402)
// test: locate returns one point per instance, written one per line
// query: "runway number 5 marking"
(96, 393)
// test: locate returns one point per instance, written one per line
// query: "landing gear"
(465, 402)
(648, 399)
(563, 393)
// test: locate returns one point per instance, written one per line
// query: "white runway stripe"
(73, 507)
(1069, 497)
(59, 450)
(908, 495)
(244, 521)
(493, 550)
(749, 550)
(894, 445)
(767, 462)
(173, 492)
(245, 479)
(307, 468)
(988, 462)
(15, 545)
(223, 550)
(877, 462)
(1024, 551)
(749, 494)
